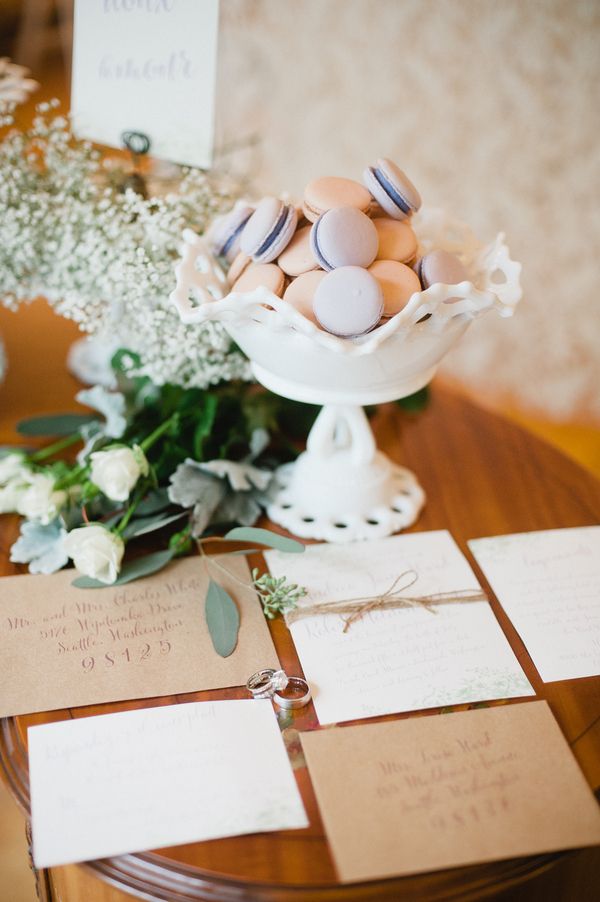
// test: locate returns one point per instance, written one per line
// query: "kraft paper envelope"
(62, 647)
(453, 789)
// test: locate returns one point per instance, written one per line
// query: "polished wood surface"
(483, 476)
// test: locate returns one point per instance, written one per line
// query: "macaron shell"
(397, 241)
(325, 193)
(266, 274)
(273, 220)
(298, 257)
(401, 182)
(237, 267)
(344, 236)
(386, 178)
(282, 239)
(226, 231)
(398, 283)
(441, 266)
(348, 301)
(301, 291)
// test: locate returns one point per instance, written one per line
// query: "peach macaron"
(398, 283)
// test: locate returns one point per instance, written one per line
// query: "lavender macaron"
(269, 230)
(226, 231)
(344, 236)
(348, 301)
(440, 266)
(392, 190)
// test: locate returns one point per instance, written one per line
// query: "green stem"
(71, 478)
(55, 447)
(128, 515)
(160, 430)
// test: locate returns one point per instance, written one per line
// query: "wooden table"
(483, 476)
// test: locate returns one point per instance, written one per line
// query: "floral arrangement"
(187, 445)
(167, 460)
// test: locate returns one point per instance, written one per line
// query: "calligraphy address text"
(126, 627)
(454, 785)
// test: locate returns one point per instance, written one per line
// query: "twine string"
(356, 608)
(392, 598)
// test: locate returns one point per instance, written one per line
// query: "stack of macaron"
(346, 260)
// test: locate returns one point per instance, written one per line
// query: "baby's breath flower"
(104, 258)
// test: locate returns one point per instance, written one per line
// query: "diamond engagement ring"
(265, 683)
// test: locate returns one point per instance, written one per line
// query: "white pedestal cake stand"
(342, 488)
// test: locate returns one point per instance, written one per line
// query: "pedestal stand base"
(342, 489)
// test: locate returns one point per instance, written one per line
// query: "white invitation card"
(549, 585)
(155, 777)
(147, 67)
(394, 660)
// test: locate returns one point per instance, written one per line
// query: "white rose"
(38, 500)
(12, 466)
(10, 495)
(95, 551)
(116, 471)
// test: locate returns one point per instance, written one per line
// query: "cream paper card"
(549, 585)
(147, 66)
(62, 647)
(155, 777)
(397, 660)
(453, 789)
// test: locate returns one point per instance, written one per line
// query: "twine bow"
(388, 600)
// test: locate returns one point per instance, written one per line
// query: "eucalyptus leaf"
(144, 525)
(264, 537)
(155, 501)
(56, 424)
(141, 566)
(222, 619)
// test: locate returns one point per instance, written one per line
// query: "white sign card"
(549, 585)
(155, 777)
(147, 66)
(397, 659)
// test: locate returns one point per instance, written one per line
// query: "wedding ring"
(301, 695)
(265, 683)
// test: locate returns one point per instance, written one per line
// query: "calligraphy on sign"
(147, 66)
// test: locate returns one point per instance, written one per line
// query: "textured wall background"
(493, 110)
